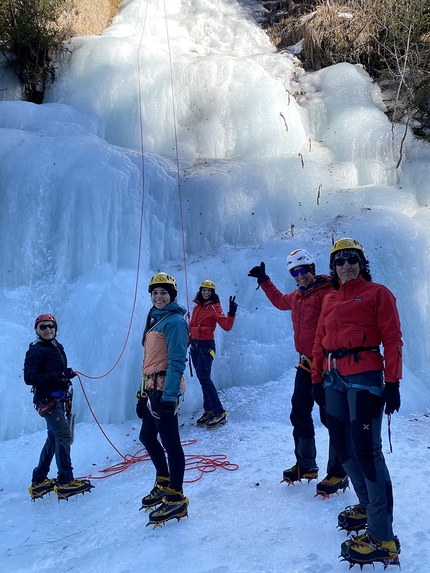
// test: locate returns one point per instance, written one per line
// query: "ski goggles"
(46, 326)
(351, 261)
(295, 272)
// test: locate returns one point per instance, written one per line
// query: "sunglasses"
(45, 326)
(351, 261)
(296, 272)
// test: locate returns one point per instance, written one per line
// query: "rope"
(178, 175)
(193, 462)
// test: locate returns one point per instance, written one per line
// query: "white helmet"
(299, 258)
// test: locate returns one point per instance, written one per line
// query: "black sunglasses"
(296, 272)
(46, 326)
(351, 261)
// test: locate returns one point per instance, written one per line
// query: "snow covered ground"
(242, 521)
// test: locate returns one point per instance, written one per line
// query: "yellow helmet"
(346, 244)
(208, 284)
(162, 279)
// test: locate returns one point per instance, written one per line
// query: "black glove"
(232, 306)
(69, 373)
(318, 394)
(259, 273)
(391, 397)
(167, 410)
(141, 407)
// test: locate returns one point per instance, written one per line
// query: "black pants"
(202, 355)
(354, 418)
(303, 427)
(168, 430)
(57, 443)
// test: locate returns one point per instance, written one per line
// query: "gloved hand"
(318, 394)
(232, 306)
(69, 373)
(167, 410)
(259, 273)
(391, 397)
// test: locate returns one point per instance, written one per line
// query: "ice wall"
(270, 159)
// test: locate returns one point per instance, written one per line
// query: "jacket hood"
(168, 309)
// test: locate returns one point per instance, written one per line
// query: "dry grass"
(90, 17)
(328, 35)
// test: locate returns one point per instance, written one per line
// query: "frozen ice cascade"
(255, 140)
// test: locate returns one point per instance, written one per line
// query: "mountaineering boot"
(331, 485)
(203, 420)
(216, 420)
(364, 549)
(39, 489)
(175, 505)
(297, 473)
(352, 518)
(155, 496)
(66, 490)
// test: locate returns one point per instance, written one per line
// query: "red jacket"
(305, 307)
(360, 313)
(204, 319)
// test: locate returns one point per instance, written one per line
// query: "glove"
(318, 394)
(69, 374)
(391, 397)
(141, 407)
(232, 306)
(259, 273)
(167, 410)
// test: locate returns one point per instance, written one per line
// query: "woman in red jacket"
(206, 314)
(354, 380)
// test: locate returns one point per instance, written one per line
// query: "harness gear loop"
(305, 362)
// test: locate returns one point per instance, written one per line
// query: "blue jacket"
(165, 344)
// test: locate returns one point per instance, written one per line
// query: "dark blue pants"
(303, 427)
(174, 466)
(57, 443)
(202, 355)
(354, 419)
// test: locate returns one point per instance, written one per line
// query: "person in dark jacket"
(305, 303)
(354, 380)
(46, 371)
(207, 313)
(165, 342)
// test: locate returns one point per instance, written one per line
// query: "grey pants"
(57, 443)
(354, 418)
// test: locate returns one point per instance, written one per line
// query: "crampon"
(331, 486)
(168, 510)
(73, 488)
(297, 473)
(365, 550)
(38, 490)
